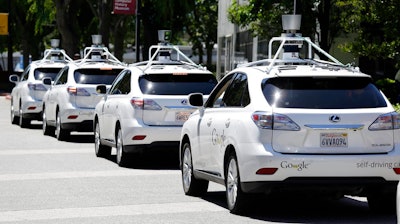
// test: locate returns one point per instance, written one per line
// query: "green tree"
(202, 28)
(376, 24)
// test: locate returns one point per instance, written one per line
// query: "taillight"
(386, 122)
(37, 87)
(266, 120)
(144, 104)
(72, 90)
(267, 171)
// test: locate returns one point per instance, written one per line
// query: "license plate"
(182, 115)
(333, 140)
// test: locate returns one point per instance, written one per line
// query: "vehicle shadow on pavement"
(151, 160)
(306, 209)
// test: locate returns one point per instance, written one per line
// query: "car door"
(52, 98)
(211, 136)
(113, 105)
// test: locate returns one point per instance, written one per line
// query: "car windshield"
(96, 76)
(41, 73)
(322, 93)
(172, 84)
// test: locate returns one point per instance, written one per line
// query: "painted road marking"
(15, 152)
(84, 174)
(126, 210)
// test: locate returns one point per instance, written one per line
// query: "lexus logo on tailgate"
(334, 118)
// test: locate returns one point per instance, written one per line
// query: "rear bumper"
(77, 119)
(343, 171)
(32, 110)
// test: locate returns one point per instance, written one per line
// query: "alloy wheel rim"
(97, 139)
(58, 126)
(119, 147)
(44, 123)
(232, 182)
(187, 169)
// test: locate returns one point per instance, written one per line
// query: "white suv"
(69, 103)
(287, 123)
(27, 95)
(146, 105)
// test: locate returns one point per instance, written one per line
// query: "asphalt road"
(43, 180)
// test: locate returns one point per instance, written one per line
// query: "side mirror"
(102, 89)
(13, 78)
(196, 99)
(46, 81)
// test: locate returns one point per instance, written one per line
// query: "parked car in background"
(289, 123)
(69, 103)
(146, 105)
(27, 95)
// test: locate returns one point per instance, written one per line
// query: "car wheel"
(61, 134)
(100, 149)
(384, 203)
(191, 185)
(14, 119)
(23, 122)
(47, 130)
(122, 157)
(236, 199)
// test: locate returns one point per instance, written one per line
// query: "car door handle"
(209, 122)
(227, 123)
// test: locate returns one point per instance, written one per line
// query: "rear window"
(41, 73)
(96, 76)
(170, 84)
(322, 93)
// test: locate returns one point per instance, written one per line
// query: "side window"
(237, 94)
(62, 77)
(24, 75)
(122, 84)
(217, 94)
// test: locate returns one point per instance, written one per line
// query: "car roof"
(169, 59)
(288, 62)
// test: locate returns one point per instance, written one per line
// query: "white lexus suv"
(27, 95)
(69, 103)
(291, 122)
(146, 105)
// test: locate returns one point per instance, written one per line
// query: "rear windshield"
(183, 84)
(322, 93)
(41, 73)
(96, 76)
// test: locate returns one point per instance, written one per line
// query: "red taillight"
(137, 103)
(138, 137)
(72, 90)
(396, 170)
(31, 108)
(267, 171)
(72, 116)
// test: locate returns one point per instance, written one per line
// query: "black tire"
(61, 134)
(236, 199)
(191, 185)
(100, 149)
(14, 119)
(23, 122)
(122, 157)
(47, 130)
(382, 202)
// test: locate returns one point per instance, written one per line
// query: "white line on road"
(84, 174)
(127, 210)
(45, 151)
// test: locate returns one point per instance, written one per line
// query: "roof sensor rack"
(291, 42)
(162, 53)
(54, 54)
(98, 53)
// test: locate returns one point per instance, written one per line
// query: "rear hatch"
(345, 115)
(37, 88)
(165, 96)
(84, 94)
